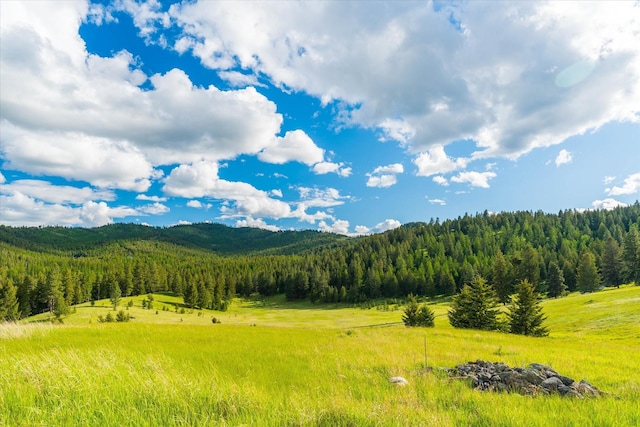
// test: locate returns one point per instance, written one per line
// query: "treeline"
(560, 252)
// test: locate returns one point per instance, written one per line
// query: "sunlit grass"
(311, 365)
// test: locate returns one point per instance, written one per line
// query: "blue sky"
(351, 117)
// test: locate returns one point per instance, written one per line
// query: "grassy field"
(273, 363)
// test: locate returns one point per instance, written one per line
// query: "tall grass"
(174, 373)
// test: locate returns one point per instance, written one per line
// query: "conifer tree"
(612, 264)
(631, 256)
(527, 266)
(475, 306)
(555, 281)
(115, 293)
(501, 278)
(204, 294)
(588, 279)
(525, 314)
(416, 315)
(68, 287)
(447, 284)
(9, 309)
(190, 294)
(25, 294)
(52, 292)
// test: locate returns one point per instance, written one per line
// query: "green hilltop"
(216, 238)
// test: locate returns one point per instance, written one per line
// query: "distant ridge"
(216, 238)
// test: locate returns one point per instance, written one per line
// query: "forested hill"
(208, 264)
(217, 238)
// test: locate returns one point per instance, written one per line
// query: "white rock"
(398, 381)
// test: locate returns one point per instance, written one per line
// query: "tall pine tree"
(588, 279)
(9, 309)
(631, 256)
(555, 281)
(501, 277)
(525, 314)
(612, 264)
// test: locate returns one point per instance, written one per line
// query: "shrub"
(416, 315)
(106, 319)
(122, 316)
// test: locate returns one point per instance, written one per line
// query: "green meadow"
(275, 363)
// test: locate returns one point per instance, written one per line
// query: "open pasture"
(274, 363)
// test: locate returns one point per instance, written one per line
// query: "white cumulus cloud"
(256, 223)
(339, 226)
(73, 114)
(386, 225)
(382, 181)
(440, 202)
(631, 186)
(151, 198)
(294, 146)
(154, 209)
(474, 179)
(323, 168)
(384, 176)
(441, 180)
(608, 204)
(17, 209)
(49, 193)
(441, 74)
(435, 161)
(563, 158)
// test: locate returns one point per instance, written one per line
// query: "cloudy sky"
(353, 117)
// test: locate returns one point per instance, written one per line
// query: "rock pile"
(532, 380)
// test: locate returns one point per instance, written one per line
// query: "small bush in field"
(414, 315)
(122, 316)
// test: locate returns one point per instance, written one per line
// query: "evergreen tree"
(25, 291)
(416, 315)
(631, 257)
(204, 295)
(52, 293)
(389, 284)
(501, 277)
(525, 314)
(475, 306)
(447, 284)
(190, 294)
(115, 293)
(373, 283)
(555, 281)
(126, 281)
(139, 279)
(229, 287)
(68, 287)
(528, 266)
(612, 264)
(9, 308)
(588, 279)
